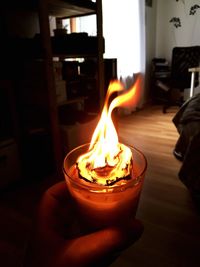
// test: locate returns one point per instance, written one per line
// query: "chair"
(183, 58)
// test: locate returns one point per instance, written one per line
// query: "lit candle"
(105, 177)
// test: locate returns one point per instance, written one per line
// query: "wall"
(168, 36)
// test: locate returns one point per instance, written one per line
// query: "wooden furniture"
(66, 9)
(9, 149)
(61, 9)
(193, 72)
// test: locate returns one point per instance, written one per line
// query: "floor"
(171, 221)
(172, 224)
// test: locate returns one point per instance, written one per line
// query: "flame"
(107, 160)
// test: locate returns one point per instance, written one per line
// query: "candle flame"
(107, 160)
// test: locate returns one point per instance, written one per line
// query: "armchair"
(183, 59)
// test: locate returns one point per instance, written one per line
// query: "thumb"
(104, 243)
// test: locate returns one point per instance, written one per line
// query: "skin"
(58, 239)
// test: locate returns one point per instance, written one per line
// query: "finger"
(102, 244)
(57, 199)
(55, 205)
(58, 214)
(54, 199)
(59, 191)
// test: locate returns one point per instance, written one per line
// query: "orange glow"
(107, 160)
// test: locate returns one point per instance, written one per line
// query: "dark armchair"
(183, 58)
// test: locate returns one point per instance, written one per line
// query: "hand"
(59, 241)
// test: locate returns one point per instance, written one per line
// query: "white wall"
(169, 36)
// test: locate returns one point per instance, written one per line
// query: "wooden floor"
(172, 224)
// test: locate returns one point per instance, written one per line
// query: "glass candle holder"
(100, 206)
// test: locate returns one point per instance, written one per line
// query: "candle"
(105, 177)
(98, 205)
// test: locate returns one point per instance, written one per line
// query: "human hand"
(59, 241)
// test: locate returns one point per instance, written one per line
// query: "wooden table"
(193, 71)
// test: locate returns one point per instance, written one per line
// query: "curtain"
(124, 33)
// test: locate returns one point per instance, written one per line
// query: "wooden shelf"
(71, 8)
(45, 49)
(57, 8)
(65, 55)
(73, 101)
(64, 47)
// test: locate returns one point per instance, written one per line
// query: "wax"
(100, 206)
